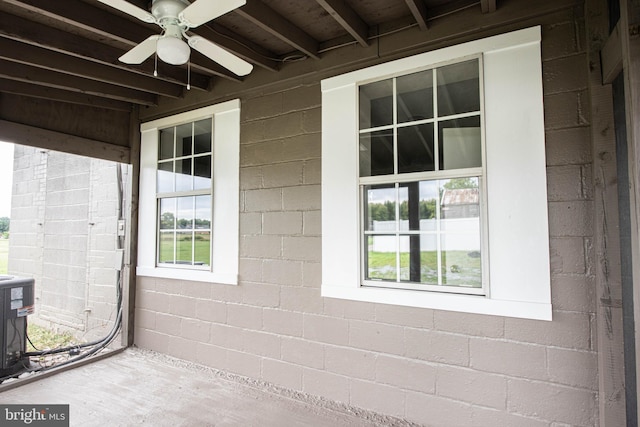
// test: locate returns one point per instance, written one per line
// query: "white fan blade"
(139, 53)
(128, 8)
(216, 53)
(205, 10)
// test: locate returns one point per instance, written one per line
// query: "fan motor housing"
(168, 9)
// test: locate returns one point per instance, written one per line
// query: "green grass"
(458, 267)
(185, 249)
(44, 338)
(4, 255)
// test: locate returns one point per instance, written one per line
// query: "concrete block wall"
(428, 366)
(63, 235)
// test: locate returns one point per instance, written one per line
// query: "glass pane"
(202, 248)
(460, 199)
(184, 248)
(165, 177)
(184, 180)
(429, 259)
(167, 213)
(167, 246)
(415, 96)
(376, 153)
(165, 147)
(203, 212)
(376, 104)
(418, 205)
(415, 148)
(202, 172)
(458, 88)
(381, 207)
(461, 260)
(381, 257)
(202, 136)
(185, 213)
(460, 143)
(183, 140)
(411, 259)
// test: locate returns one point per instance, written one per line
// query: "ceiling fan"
(176, 17)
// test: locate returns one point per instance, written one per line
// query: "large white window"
(434, 181)
(189, 195)
(421, 173)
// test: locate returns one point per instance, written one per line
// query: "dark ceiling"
(67, 50)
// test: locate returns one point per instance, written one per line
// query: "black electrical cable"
(104, 343)
(29, 340)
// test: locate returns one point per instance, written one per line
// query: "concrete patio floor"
(137, 387)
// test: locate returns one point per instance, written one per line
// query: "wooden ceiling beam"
(48, 139)
(25, 31)
(54, 94)
(109, 28)
(267, 19)
(488, 6)
(24, 73)
(42, 58)
(348, 19)
(419, 11)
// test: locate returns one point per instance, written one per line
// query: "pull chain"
(155, 67)
(189, 75)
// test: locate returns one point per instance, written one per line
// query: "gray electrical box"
(16, 303)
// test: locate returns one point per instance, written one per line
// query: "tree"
(458, 183)
(4, 224)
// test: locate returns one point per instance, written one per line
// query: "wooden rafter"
(73, 66)
(54, 94)
(267, 19)
(40, 76)
(419, 11)
(349, 19)
(488, 6)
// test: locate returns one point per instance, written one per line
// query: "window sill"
(442, 301)
(189, 275)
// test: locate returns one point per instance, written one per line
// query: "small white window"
(434, 181)
(189, 195)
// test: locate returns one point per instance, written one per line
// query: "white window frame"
(225, 195)
(516, 190)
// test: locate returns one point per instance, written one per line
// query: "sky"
(6, 178)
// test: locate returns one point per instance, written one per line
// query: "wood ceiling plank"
(24, 73)
(348, 18)
(17, 28)
(71, 65)
(488, 6)
(278, 26)
(419, 11)
(54, 94)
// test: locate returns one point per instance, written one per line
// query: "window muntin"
(421, 177)
(184, 195)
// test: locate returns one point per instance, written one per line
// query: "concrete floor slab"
(138, 387)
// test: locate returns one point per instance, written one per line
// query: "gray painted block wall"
(428, 366)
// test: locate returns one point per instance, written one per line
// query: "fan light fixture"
(173, 51)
